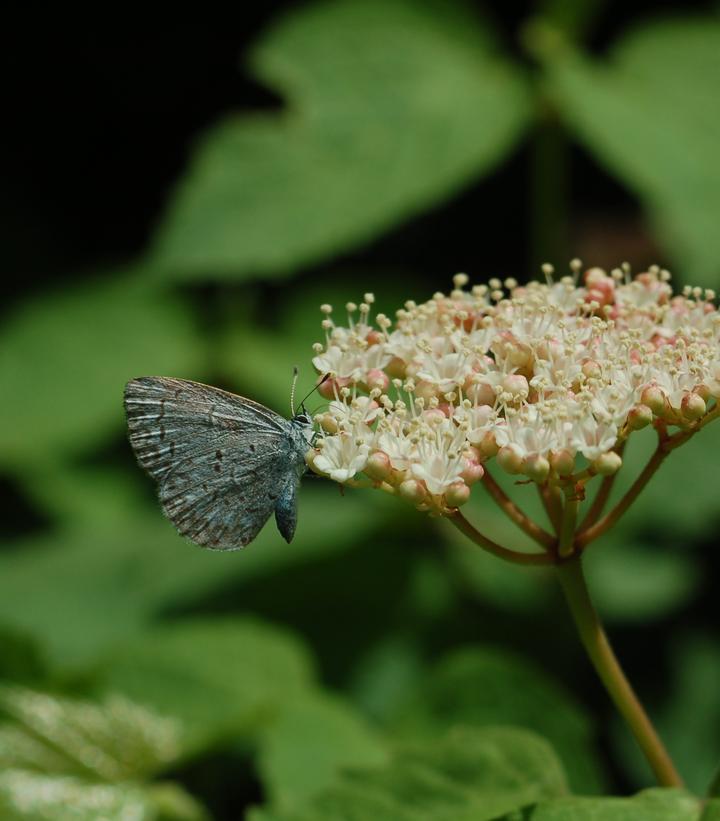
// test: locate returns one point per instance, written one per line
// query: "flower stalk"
(572, 580)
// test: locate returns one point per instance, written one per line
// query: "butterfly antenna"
(292, 390)
(310, 392)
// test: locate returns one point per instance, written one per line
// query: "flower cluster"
(546, 378)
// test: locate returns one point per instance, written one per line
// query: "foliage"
(327, 672)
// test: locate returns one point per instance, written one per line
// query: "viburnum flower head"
(547, 379)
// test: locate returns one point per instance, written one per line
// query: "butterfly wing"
(221, 460)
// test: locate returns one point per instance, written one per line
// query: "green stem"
(611, 674)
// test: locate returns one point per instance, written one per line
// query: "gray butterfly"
(223, 463)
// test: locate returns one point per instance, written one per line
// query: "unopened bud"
(693, 406)
(517, 385)
(328, 422)
(378, 466)
(488, 445)
(412, 491)
(562, 462)
(536, 467)
(591, 369)
(377, 379)
(654, 398)
(639, 417)
(607, 463)
(509, 460)
(457, 494)
(473, 472)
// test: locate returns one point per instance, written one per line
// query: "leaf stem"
(522, 520)
(597, 645)
(514, 556)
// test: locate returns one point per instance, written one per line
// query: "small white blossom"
(545, 371)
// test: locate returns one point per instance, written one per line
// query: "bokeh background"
(180, 196)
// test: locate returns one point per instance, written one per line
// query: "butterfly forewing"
(221, 460)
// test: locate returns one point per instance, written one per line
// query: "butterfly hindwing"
(223, 462)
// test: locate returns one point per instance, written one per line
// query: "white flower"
(341, 456)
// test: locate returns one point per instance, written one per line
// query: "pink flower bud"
(536, 467)
(517, 385)
(488, 445)
(374, 338)
(377, 379)
(378, 466)
(413, 491)
(655, 399)
(562, 462)
(457, 494)
(639, 417)
(473, 472)
(693, 406)
(509, 460)
(607, 463)
(591, 369)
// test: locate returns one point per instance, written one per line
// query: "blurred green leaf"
(651, 116)
(115, 740)
(310, 742)
(103, 579)
(64, 758)
(467, 775)
(391, 107)
(28, 796)
(220, 676)
(483, 686)
(650, 805)
(711, 811)
(65, 358)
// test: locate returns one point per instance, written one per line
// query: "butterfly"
(223, 463)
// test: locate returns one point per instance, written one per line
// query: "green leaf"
(650, 805)
(391, 107)
(651, 116)
(222, 677)
(467, 775)
(64, 360)
(28, 796)
(115, 740)
(63, 758)
(63, 589)
(483, 686)
(711, 811)
(310, 742)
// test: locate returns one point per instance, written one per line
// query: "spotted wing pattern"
(221, 460)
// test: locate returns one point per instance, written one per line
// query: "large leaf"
(65, 358)
(63, 758)
(115, 740)
(482, 686)
(390, 107)
(651, 115)
(467, 775)
(220, 676)
(113, 570)
(311, 741)
(651, 805)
